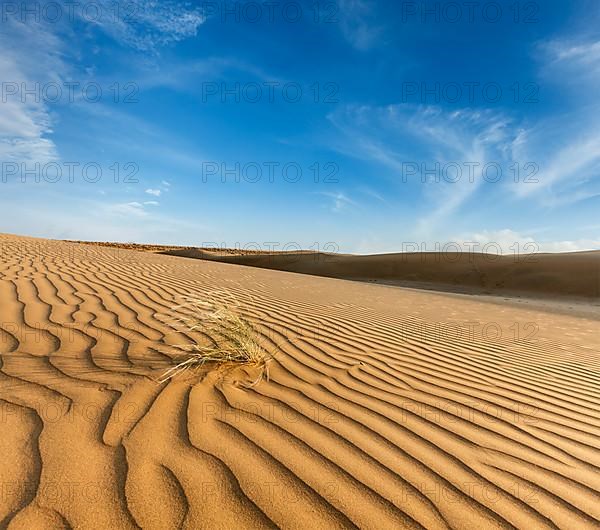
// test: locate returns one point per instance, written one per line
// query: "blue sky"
(362, 127)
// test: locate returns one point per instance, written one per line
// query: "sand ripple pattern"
(369, 420)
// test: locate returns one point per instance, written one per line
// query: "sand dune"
(386, 408)
(568, 274)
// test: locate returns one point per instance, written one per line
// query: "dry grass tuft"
(230, 339)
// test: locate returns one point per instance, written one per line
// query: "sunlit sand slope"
(386, 408)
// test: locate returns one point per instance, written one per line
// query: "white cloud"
(579, 245)
(504, 241)
(129, 209)
(155, 192)
(102, 220)
(371, 193)
(340, 201)
(148, 25)
(507, 242)
(571, 62)
(166, 184)
(357, 23)
(25, 121)
(558, 157)
(33, 53)
(587, 53)
(151, 203)
(567, 152)
(396, 135)
(565, 146)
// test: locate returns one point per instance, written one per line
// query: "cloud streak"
(25, 120)
(357, 22)
(395, 136)
(147, 26)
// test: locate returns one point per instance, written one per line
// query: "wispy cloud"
(149, 25)
(104, 220)
(155, 192)
(25, 120)
(371, 193)
(570, 61)
(397, 135)
(42, 55)
(567, 151)
(358, 23)
(566, 146)
(128, 209)
(340, 201)
(509, 241)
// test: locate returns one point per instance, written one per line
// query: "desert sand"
(574, 275)
(385, 407)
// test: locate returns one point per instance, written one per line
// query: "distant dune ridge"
(575, 274)
(569, 274)
(385, 407)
